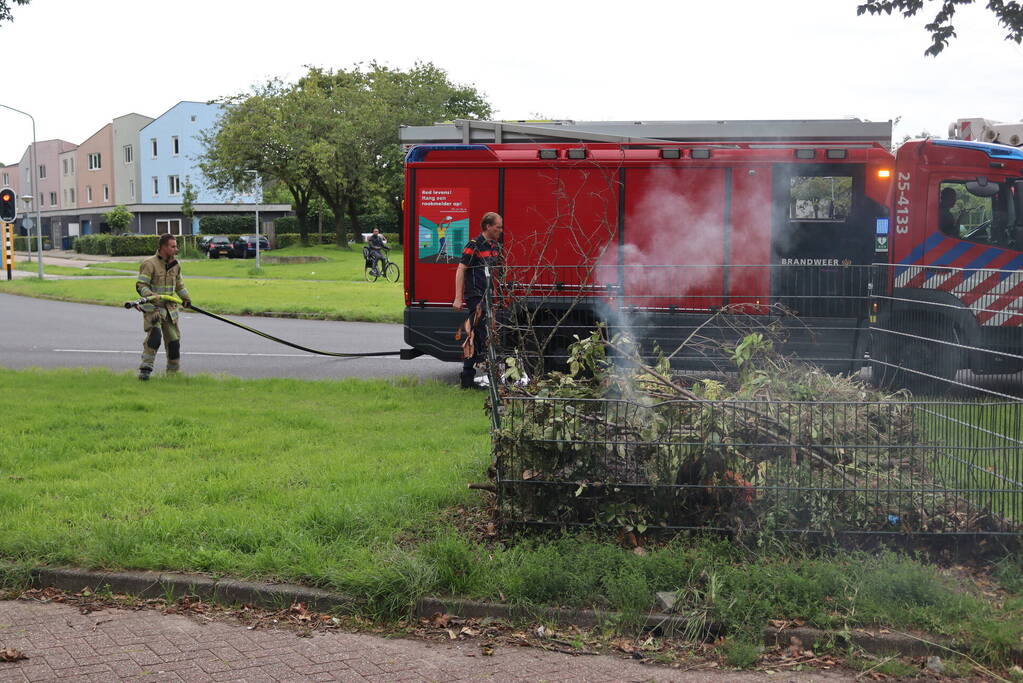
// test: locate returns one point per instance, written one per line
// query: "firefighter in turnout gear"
(160, 274)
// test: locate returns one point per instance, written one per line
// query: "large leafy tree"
(334, 133)
(1009, 14)
(256, 133)
(420, 96)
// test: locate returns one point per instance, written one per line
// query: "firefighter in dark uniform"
(470, 287)
(161, 274)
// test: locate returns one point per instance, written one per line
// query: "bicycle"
(385, 268)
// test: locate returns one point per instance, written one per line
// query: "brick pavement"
(146, 645)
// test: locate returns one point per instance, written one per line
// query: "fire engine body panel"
(663, 234)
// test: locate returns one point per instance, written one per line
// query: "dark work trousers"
(479, 331)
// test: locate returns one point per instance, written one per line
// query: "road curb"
(149, 584)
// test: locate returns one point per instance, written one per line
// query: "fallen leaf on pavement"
(440, 620)
(12, 655)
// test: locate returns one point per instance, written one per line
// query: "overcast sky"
(76, 64)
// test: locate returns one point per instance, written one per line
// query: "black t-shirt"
(477, 255)
(376, 241)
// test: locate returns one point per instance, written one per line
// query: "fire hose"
(137, 304)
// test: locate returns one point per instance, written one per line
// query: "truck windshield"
(985, 220)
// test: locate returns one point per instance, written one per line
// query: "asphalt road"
(51, 334)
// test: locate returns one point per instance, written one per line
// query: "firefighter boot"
(149, 348)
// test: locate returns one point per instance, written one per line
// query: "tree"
(7, 5)
(257, 132)
(1008, 12)
(118, 218)
(417, 97)
(187, 201)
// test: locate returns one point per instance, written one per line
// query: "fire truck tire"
(923, 359)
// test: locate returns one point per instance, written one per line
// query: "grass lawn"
(335, 289)
(359, 486)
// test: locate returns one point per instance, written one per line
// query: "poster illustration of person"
(443, 222)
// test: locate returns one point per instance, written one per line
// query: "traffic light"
(8, 205)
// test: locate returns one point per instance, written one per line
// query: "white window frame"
(63, 166)
(53, 199)
(173, 185)
(88, 194)
(7, 179)
(175, 145)
(131, 189)
(95, 161)
(170, 225)
(42, 171)
(153, 146)
(129, 155)
(156, 186)
(72, 195)
(72, 165)
(106, 193)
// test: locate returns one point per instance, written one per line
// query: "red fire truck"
(657, 226)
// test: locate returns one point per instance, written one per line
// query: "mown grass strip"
(355, 485)
(371, 302)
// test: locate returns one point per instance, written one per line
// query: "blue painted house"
(169, 149)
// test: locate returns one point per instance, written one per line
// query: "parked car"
(216, 246)
(244, 246)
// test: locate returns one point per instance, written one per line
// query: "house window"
(152, 141)
(193, 117)
(53, 199)
(88, 193)
(131, 189)
(175, 147)
(129, 154)
(65, 195)
(171, 226)
(156, 186)
(63, 166)
(174, 184)
(28, 175)
(71, 164)
(40, 199)
(72, 195)
(7, 179)
(42, 172)
(94, 161)
(106, 193)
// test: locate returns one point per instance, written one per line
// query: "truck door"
(822, 238)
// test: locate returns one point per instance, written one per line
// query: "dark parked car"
(245, 246)
(216, 246)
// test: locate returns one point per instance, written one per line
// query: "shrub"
(119, 218)
(26, 243)
(244, 224)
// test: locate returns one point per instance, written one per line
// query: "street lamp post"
(259, 200)
(32, 175)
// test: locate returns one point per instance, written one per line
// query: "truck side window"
(820, 198)
(984, 220)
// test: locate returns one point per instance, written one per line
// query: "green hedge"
(127, 245)
(25, 243)
(289, 224)
(244, 224)
(289, 239)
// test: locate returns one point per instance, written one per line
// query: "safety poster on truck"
(443, 223)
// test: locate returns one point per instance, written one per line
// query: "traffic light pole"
(35, 195)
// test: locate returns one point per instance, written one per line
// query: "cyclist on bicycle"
(377, 244)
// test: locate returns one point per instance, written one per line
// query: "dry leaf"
(487, 650)
(12, 655)
(440, 620)
(451, 634)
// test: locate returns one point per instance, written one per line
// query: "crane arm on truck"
(986, 130)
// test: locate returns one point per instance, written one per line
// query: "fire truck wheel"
(924, 359)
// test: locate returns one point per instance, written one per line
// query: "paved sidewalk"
(113, 644)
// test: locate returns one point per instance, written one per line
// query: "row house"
(142, 163)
